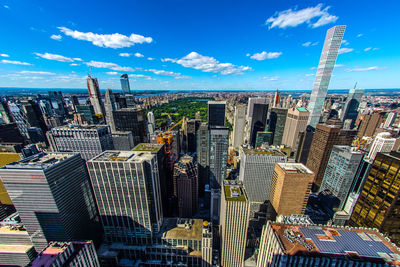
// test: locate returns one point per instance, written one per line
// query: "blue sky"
(189, 45)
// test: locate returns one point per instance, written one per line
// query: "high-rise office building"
(219, 142)
(290, 188)
(88, 140)
(340, 173)
(257, 112)
(95, 95)
(304, 144)
(5, 114)
(234, 220)
(391, 117)
(127, 188)
(350, 110)
(123, 140)
(325, 137)
(126, 89)
(257, 169)
(284, 245)
(203, 155)
(207, 245)
(33, 116)
(151, 122)
(191, 131)
(277, 121)
(378, 205)
(186, 186)
(10, 133)
(75, 253)
(295, 123)
(88, 113)
(18, 117)
(263, 138)
(57, 102)
(110, 106)
(133, 120)
(216, 113)
(326, 64)
(369, 124)
(239, 123)
(383, 142)
(52, 194)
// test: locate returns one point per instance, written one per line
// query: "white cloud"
(359, 35)
(164, 72)
(363, 69)
(77, 59)
(345, 42)
(209, 64)
(367, 49)
(307, 44)
(125, 54)
(37, 72)
(56, 37)
(273, 78)
(112, 73)
(345, 50)
(313, 68)
(168, 60)
(265, 55)
(4, 55)
(138, 55)
(74, 64)
(338, 65)
(309, 74)
(108, 65)
(313, 16)
(5, 6)
(183, 77)
(54, 57)
(375, 48)
(115, 40)
(150, 58)
(5, 61)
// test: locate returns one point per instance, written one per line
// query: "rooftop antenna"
(355, 85)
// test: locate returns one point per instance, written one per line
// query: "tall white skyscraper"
(238, 125)
(151, 122)
(327, 62)
(383, 142)
(94, 95)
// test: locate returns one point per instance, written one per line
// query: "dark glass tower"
(126, 89)
(216, 113)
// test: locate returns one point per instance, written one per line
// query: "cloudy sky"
(189, 45)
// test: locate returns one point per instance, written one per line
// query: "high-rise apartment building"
(75, 253)
(127, 188)
(325, 137)
(218, 154)
(326, 64)
(256, 171)
(290, 188)
(340, 173)
(203, 150)
(285, 245)
(390, 119)
(151, 122)
(369, 124)
(350, 110)
(89, 140)
(216, 113)
(234, 219)
(110, 106)
(191, 131)
(186, 186)
(378, 205)
(295, 123)
(239, 122)
(52, 194)
(383, 142)
(126, 89)
(95, 95)
(277, 121)
(133, 120)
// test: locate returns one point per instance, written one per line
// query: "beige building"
(296, 122)
(234, 220)
(291, 185)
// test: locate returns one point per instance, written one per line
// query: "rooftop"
(216, 102)
(294, 168)
(271, 151)
(147, 147)
(8, 230)
(40, 161)
(14, 248)
(299, 239)
(301, 109)
(234, 191)
(180, 228)
(78, 126)
(123, 156)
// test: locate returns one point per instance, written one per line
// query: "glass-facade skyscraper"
(327, 62)
(350, 110)
(126, 89)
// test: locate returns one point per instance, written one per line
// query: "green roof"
(302, 109)
(234, 193)
(147, 147)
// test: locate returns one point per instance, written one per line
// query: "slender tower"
(94, 95)
(327, 62)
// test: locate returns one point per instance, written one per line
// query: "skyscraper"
(95, 95)
(304, 145)
(219, 143)
(133, 120)
(350, 110)
(277, 121)
(295, 123)
(52, 194)
(257, 111)
(88, 140)
(391, 117)
(203, 145)
(325, 137)
(110, 106)
(151, 122)
(186, 186)
(383, 142)
(234, 220)
(369, 124)
(239, 123)
(127, 188)
(378, 205)
(216, 113)
(326, 64)
(290, 188)
(126, 89)
(340, 173)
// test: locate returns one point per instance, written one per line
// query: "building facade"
(218, 155)
(239, 123)
(277, 121)
(216, 113)
(126, 89)
(383, 142)
(133, 120)
(95, 95)
(350, 110)
(295, 123)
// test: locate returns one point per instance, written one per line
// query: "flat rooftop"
(80, 127)
(294, 168)
(40, 161)
(123, 156)
(216, 102)
(148, 147)
(302, 109)
(299, 239)
(14, 248)
(234, 191)
(270, 151)
(182, 228)
(7, 230)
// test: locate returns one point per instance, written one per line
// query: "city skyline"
(241, 46)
